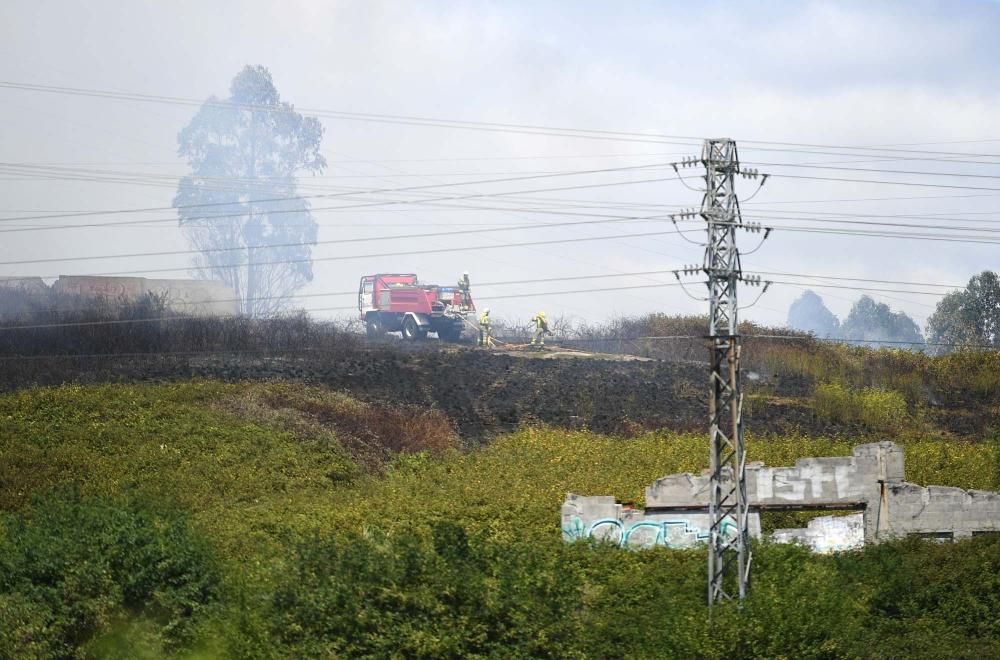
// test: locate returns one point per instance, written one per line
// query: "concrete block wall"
(941, 510)
(811, 482)
(871, 480)
(827, 534)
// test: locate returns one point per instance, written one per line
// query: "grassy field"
(276, 519)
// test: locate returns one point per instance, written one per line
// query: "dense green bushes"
(72, 569)
(436, 593)
(927, 599)
(414, 596)
(258, 535)
(103, 578)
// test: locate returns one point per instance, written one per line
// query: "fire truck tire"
(412, 331)
(374, 328)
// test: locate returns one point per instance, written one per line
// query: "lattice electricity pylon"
(729, 553)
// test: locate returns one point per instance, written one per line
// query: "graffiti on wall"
(645, 533)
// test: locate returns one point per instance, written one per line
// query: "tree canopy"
(970, 316)
(868, 322)
(872, 322)
(239, 206)
(808, 313)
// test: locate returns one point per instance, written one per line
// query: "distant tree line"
(970, 317)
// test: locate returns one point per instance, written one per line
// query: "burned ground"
(658, 379)
(482, 393)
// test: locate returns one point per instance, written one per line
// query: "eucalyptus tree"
(970, 316)
(239, 207)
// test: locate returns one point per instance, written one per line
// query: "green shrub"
(876, 408)
(927, 599)
(836, 402)
(973, 371)
(884, 410)
(70, 568)
(446, 596)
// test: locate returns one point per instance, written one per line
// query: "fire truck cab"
(397, 302)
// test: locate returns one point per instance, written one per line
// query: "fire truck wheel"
(411, 331)
(374, 329)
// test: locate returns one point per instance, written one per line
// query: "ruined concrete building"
(871, 482)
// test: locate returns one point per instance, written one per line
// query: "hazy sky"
(818, 73)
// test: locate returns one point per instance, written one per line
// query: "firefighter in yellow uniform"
(541, 329)
(464, 286)
(485, 330)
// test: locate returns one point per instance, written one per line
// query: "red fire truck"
(393, 302)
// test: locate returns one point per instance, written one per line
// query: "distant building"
(185, 297)
(35, 285)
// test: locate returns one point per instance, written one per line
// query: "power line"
(330, 195)
(342, 194)
(876, 169)
(595, 134)
(608, 218)
(432, 250)
(859, 288)
(923, 144)
(907, 225)
(337, 241)
(842, 200)
(119, 176)
(832, 340)
(943, 215)
(354, 292)
(592, 277)
(340, 162)
(389, 202)
(859, 279)
(805, 287)
(947, 238)
(858, 340)
(916, 184)
(267, 182)
(944, 238)
(919, 216)
(36, 326)
(42, 171)
(343, 208)
(604, 220)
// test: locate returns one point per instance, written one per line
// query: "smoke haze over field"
(849, 74)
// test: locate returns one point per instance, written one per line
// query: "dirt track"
(483, 393)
